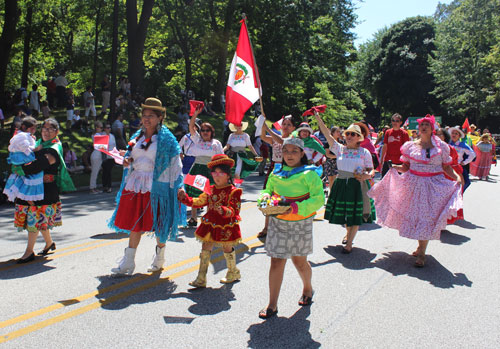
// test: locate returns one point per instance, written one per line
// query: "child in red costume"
(219, 226)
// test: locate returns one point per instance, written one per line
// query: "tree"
(136, 34)
(11, 17)
(464, 41)
(400, 72)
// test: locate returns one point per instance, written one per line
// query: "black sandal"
(305, 301)
(267, 313)
(262, 234)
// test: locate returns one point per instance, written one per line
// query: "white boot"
(158, 260)
(127, 263)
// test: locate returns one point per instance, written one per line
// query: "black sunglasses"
(351, 134)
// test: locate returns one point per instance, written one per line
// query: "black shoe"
(192, 223)
(268, 313)
(28, 259)
(45, 251)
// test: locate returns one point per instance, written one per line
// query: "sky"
(376, 14)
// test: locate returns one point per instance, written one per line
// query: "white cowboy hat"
(457, 129)
(244, 126)
(304, 126)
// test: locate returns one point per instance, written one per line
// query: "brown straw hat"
(153, 104)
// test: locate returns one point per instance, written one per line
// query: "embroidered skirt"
(134, 212)
(345, 204)
(36, 218)
(221, 233)
(289, 238)
(198, 169)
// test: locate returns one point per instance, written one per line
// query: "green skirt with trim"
(247, 165)
(198, 169)
(345, 204)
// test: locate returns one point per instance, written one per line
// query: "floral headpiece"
(430, 119)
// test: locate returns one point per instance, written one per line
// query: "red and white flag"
(277, 124)
(243, 85)
(199, 182)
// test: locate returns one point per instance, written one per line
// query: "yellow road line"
(86, 296)
(114, 298)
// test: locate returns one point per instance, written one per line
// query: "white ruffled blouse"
(140, 179)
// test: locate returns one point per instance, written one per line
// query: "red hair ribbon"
(318, 109)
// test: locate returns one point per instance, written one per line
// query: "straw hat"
(363, 128)
(356, 129)
(457, 129)
(220, 159)
(153, 104)
(244, 126)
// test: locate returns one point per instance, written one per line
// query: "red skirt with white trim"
(134, 212)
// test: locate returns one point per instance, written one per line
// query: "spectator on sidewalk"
(118, 130)
(89, 103)
(61, 84)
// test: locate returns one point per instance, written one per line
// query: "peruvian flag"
(199, 182)
(277, 124)
(243, 85)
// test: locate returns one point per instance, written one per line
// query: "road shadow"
(358, 259)
(369, 226)
(147, 289)
(447, 237)
(221, 264)
(467, 225)
(10, 270)
(282, 332)
(401, 263)
(110, 236)
(208, 301)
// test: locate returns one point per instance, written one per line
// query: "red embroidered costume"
(221, 222)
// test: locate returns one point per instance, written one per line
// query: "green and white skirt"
(243, 164)
(345, 204)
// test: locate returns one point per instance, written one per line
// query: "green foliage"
(466, 61)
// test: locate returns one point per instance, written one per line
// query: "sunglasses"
(352, 134)
(205, 130)
(218, 174)
(395, 120)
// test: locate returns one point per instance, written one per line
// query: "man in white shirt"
(61, 84)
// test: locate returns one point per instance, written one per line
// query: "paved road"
(373, 297)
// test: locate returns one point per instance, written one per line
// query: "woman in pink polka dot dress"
(419, 202)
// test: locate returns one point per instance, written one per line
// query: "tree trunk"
(114, 60)
(11, 18)
(220, 85)
(136, 32)
(26, 53)
(96, 44)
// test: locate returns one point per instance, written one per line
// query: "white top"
(61, 81)
(202, 148)
(187, 145)
(277, 152)
(88, 99)
(242, 140)
(140, 179)
(33, 103)
(350, 159)
(22, 142)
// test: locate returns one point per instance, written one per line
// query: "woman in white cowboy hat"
(147, 199)
(236, 146)
(348, 203)
(465, 153)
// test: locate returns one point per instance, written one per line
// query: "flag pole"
(244, 17)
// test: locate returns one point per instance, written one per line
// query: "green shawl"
(63, 179)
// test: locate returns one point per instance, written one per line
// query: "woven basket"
(273, 210)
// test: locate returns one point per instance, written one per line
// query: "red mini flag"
(199, 182)
(466, 125)
(243, 85)
(193, 105)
